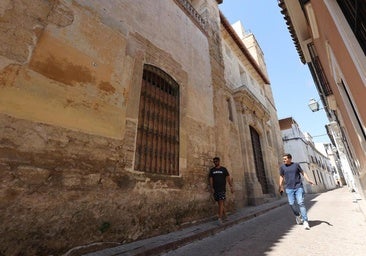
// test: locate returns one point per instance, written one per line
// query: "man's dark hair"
(289, 156)
(216, 158)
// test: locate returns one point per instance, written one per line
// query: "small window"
(230, 110)
(243, 76)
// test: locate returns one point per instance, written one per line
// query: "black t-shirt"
(219, 178)
(292, 175)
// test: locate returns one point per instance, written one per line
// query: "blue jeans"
(298, 195)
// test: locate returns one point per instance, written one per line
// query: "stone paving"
(348, 201)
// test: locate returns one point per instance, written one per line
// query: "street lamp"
(314, 105)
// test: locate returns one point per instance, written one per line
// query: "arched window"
(157, 144)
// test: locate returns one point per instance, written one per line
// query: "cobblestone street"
(337, 223)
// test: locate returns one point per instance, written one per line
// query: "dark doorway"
(258, 160)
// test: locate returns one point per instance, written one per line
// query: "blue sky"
(291, 81)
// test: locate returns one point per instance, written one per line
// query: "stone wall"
(61, 189)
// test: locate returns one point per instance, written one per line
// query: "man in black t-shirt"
(218, 176)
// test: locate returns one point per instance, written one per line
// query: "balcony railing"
(193, 13)
(255, 94)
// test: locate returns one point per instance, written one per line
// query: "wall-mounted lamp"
(314, 105)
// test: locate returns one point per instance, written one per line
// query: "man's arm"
(280, 186)
(307, 178)
(228, 180)
(211, 185)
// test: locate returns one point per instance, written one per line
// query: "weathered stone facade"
(247, 86)
(70, 86)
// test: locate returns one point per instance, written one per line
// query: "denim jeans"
(298, 195)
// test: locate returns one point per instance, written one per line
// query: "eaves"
(291, 28)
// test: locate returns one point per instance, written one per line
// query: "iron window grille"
(157, 143)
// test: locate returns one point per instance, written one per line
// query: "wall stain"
(96, 106)
(63, 71)
(69, 103)
(107, 87)
(9, 74)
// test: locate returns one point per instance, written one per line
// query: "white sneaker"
(219, 222)
(298, 220)
(306, 225)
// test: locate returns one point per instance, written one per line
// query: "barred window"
(317, 71)
(355, 13)
(157, 145)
